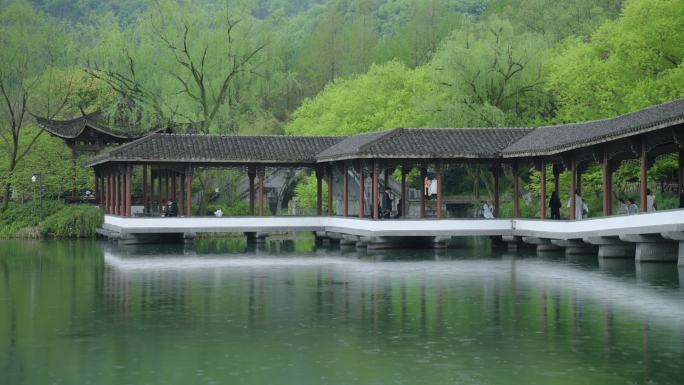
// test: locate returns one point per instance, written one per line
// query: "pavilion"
(168, 161)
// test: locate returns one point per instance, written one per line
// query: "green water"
(215, 313)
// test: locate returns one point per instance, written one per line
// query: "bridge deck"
(653, 223)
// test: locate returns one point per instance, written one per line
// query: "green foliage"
(26, 215)
(629, 63)
(388, 96)
(305, 193)
(73, 221)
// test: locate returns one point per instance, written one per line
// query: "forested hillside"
(326, 66)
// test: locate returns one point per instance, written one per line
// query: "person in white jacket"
(581, 209)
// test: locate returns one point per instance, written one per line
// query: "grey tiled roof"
(70, 129)
(555, 139)
(196, 148)
(426, 143)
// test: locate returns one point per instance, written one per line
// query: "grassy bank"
(60, 221)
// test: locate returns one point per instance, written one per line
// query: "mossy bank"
(59, 221)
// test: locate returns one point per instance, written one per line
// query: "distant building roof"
(551, 140)
(71, 129)
(425, 143)
(193, 148)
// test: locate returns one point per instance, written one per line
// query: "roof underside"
(219, 149)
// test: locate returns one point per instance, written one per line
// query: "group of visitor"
(626, 206)
(170, 209)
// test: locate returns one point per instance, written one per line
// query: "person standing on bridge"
(555, 205)
(487, 210)
(650, 202)
(387, 203)
(633, 208)
(581, 209)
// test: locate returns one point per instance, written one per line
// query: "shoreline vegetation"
(60, 221)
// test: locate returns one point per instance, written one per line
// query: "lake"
(288, 312)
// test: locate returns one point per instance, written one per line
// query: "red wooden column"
(251, 174)
(146, 198)
(160, 182)
(644, 175)
(174, 182)
(319, 191)
(149, 202)
(97, 186)
(362, 190)
(376, 177)
(345, 192)
(607, 179)
(261, 173)
(122, 187)
(496, 170)
(542, 189)
(680, 171)
(182, 195)
(404, 190)
(516, 189)
(331, 180)
(110, 192)
(167, 191)
(423, 175)
(128, 189)
(440, 173)
(188, 191)
(573, 188)
(117, 193)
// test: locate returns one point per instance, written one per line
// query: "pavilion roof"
(70, 129)
(552, 140)
(425, 143)
(195, 148)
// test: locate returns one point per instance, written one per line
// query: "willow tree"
(181, 61)
(33, 49)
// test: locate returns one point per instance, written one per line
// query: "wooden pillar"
(423, 175)
(440, 172)
(146, 198)
(680, 171)
(376, 176)
(319, 191)
(607, 179)
(188, 191)
(117, 193)
(404, 190)
(182, 195)
(516, 189)
(644, 175)
(362, 191)
(496, 170)
(345, 192)
(251, 174)
(122, 188)
(160, 196)
(331, 180)
(167, 191)
(261, 173)
(149, 202)
(97, 186)
(573, 188)
(128, 189)
(110, 192)
(542, 189)
(173, 187)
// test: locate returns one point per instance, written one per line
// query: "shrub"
(19, 216)
(77, 221)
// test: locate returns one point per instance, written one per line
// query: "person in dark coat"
(386, 203)
(555, 205)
